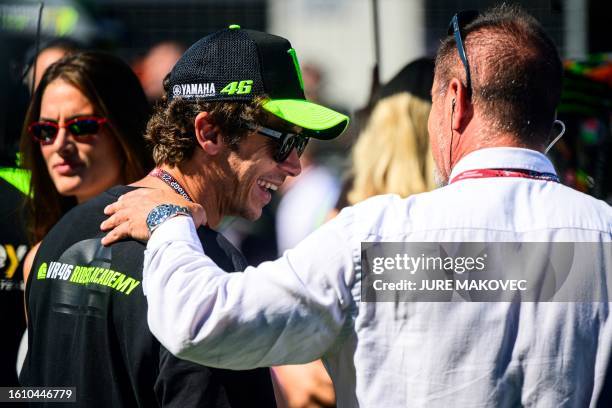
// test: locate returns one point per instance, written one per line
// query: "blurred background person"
(14, 185)
(82, 135)
(50, 52)
(155, 65)
(583, 156)
(314, 193)
(392, 152)
(311, 195)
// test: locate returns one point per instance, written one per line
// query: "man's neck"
(471, 144)
(195, 185)
(475, 137)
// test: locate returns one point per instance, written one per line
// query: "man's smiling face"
(254, 173)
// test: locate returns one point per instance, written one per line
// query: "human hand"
(128, 215)
(303, 385)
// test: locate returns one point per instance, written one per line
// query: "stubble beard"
(439, 179)
(439, 175)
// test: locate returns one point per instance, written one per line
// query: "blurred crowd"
(97, 93)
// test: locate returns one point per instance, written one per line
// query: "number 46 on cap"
(238, 88)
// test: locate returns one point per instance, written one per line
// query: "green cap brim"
(317, 121)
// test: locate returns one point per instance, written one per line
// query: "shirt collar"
(504, 158)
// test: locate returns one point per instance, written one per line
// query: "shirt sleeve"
(289, 311)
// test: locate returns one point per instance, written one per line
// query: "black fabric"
(90, 331)
(415, 78)
(13, 247)
(605, 397)
(234, 55)
(278, 71)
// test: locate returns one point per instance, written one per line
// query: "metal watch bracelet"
(164, 212)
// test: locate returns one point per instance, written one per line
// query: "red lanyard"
(484, 173)
(171, 181)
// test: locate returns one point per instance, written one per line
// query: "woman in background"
(392, 153)
(82, 135)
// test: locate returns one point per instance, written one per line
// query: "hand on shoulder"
(128, 215)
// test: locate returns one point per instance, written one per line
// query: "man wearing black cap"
(229, 131)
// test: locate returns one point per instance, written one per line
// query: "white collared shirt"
(307, 304)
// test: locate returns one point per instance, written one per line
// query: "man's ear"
(459, 104)
(207, 134)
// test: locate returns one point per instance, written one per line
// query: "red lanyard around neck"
(485, 173)
(171, 181)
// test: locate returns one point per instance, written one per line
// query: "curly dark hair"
(171, 133)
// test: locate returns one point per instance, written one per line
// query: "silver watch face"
(162, 212)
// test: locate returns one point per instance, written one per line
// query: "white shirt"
(307, 304)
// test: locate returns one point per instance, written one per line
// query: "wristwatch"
(164, 212)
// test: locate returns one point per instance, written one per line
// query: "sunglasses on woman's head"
(286, 141)
(46, 131)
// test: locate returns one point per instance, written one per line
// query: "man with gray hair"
(497, 83)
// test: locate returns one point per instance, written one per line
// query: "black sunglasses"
(45, 132)
(286, 141)
(457, 24)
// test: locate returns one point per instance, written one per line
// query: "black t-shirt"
(87, 323)
(13, 248)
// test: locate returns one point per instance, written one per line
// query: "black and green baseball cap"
(238, 65)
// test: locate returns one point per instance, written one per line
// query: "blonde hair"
(392, 153)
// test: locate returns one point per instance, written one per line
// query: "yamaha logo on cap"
(197, 90)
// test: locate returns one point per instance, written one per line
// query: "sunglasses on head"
(457, 24)
(45, 132)
(286, 141)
